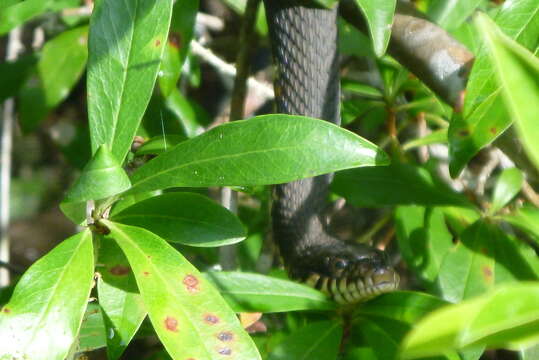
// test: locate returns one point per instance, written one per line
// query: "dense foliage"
(445, 186)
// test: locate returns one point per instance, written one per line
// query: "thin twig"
(229, 198)
(14, 47)
(260, 88)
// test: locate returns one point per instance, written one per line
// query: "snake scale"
(304, 41)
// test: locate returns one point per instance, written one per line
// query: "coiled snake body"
(304, 43)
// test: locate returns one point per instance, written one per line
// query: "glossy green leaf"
(318, 340)
(185, 218)
(382, 323)
(49, 299)
(423, 240)
(126, 44)
(484, 257)
(451, 14)
(247, 292)
(484, 117)
(170, 70)
(379, 16)
(436, 137)
(506, 317)
(527, 219)
(93, 334)
(273, 149)
(507, 187)
(121, 303)
(159, 144)
(62, 62)
(188, 314)
(182, 26)
(186, 113)
(101, 177)
(397, 184)
(21, 12)
(517, 70)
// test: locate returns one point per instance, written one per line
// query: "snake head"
(349, 273)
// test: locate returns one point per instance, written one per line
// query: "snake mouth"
(355, 289)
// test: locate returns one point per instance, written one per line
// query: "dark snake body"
(304, 43)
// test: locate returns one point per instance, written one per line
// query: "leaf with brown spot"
(164, 293)
(119, 299)
(48, 303)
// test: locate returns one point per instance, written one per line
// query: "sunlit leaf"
(505, 317)
(508, 185)
(273, 149)
(121, 303)
(49, 299)
(188, 314)
(484, 117)
(379, 16)
(517, 70)
(126, 44)
(258, 293)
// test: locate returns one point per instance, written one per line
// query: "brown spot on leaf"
(175, 40)
(463, 132)
(146, 273)
(211, 319)
(191, 283)
(149, 256)
(120, 270)
(493, 130)
(225, 351)
(225, 336)
(484, 251)
(6, 310)
(171, 324)
(487, 272)
(157, 42)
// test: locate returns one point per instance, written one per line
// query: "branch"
(428, 51)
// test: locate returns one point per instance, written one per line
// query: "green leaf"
(247, 292)
(182, 26)
(101, 177)
(484, 117)
(170, 70)
(517, 70)
(126, 44)
(159, 144)
(379, 15)
(93, 334)
(61, 64)
(486, 256)
(451, 14)
(397, 184)
(507, 187)
(188, 314)
(506, 317)
(436, 137)
(123, 309)
(527, 219)
(50, 299)
(382, 323)
(185, 218)
(423, 240)
(21, 12)
(318, 340)
(273, 149)
(186, 113)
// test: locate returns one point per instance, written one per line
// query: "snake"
(304, 38)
